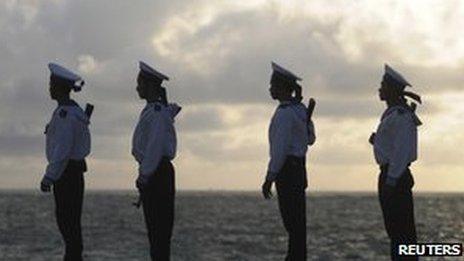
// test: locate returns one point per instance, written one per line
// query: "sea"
(213, 225)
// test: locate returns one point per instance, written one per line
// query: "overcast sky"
(218, 56)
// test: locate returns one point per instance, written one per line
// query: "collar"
(393, 108)
(155, 103)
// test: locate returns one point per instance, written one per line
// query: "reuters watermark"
(430, 249)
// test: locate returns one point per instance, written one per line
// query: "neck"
(151, 99)
(285, 99)
(394, 102)
(62, 99)
(152, 95)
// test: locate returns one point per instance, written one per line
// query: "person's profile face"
(383, 91)
(52, 89)
(140, 87)
(58, 88)
(274, 91)
(279, 90)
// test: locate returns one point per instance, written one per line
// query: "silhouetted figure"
(153, 147)
(395, 147)
(290, 133)
(67, 145)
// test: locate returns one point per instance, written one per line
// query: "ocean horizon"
(221, 225)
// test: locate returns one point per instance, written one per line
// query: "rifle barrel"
(311, 106)
(89, 109)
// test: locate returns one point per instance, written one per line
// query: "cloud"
(226, 52)
(87, 64)
(218, 56)
(200, 119)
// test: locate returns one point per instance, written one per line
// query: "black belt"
(384, 167)
(77, 164)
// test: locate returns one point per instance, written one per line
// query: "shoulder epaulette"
(283, 106)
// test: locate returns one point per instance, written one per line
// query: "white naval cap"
(63, 73)
(150, 71)
(391, 74)
(279, 72)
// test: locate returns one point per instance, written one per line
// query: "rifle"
(311, 106)
(89, 110)
(310, 110)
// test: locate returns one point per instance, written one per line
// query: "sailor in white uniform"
(154, 147)
(290, 133)
(67, 145)
(395, 148)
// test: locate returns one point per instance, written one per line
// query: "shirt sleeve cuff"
(271, 176)
(143, 179)
(391, 181)
(47, 180)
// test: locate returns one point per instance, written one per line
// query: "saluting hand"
(45, 185)
(266, 189)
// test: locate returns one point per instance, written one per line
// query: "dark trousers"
(69, 193)
(291, 183)
(158, 209)
(398, 212)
